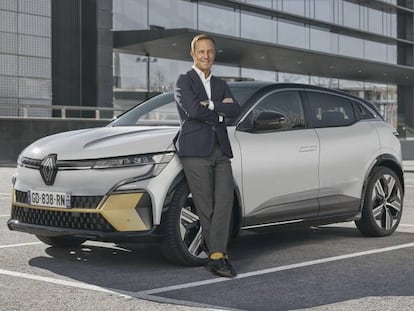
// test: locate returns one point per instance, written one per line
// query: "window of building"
(25, 56)
(258, 27)
(351, 14)
(393, 25)
(292, 34)
(294, 6)
(324, 10)
(225, 71)
(376, 21)
(131, 71)
(164, 72)
(291, 77)
(349, 46)
(130, 14)
(216, 19)
(392, 53)
(172, 14)
(332, 83)
(260, 75)
(324, 41)
(375, 51)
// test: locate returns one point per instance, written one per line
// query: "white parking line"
(60, 282)
(4, 215)
(146, 293)
(274, 269)
(406, 225)
(21, 244)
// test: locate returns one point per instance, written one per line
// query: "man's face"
(203, 55)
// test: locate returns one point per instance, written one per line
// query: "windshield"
(162, 109)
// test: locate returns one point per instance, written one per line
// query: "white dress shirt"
(207, 87)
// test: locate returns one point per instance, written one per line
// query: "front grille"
(21, 197)
(61, 219)
(85, 201)
(75, 201)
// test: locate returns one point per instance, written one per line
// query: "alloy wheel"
(386, 202)
(191, 231)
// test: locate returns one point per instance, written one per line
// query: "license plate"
(49, 198)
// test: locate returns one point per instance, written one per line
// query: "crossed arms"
(200, 109)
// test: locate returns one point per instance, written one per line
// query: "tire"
(382, 205)
(61, 241)
(183, 234)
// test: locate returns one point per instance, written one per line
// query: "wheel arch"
(385, 160)
(388, 160)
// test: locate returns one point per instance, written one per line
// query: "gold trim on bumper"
(119, 211)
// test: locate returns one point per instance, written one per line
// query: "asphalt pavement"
(326, 268)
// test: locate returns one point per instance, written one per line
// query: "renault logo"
(48, 169)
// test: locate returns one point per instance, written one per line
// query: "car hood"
(103, 142)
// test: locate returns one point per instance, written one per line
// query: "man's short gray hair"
(200, 37)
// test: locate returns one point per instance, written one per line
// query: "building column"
(405, 56)
(405, 96)
(82, 54)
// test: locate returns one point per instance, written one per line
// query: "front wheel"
(183, 243)
(383, 204)
(61, 241)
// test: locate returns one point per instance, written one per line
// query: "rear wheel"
(61, 241)
(183, 242)
(383, 204)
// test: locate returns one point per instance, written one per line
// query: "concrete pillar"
(82, 53)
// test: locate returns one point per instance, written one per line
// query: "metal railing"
(37, 111)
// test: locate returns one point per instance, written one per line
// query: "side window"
(329, 110)
(279, 111)
(362, 112)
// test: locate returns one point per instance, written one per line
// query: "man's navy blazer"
(200, 127)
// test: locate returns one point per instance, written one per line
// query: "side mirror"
(268, 120)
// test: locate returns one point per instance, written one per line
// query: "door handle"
(307, 148)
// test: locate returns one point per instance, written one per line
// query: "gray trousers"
(210, 180)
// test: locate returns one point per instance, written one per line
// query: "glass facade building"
(362, 47)
(25, 54)
(354, 31)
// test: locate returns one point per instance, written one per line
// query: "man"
(204, 149)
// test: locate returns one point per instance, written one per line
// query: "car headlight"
(156, 161)
(20, 159)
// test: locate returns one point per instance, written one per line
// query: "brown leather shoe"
(221, 267)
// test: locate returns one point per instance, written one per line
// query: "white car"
(303, 155)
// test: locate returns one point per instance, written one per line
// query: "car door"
(279, 159)
(348, 147)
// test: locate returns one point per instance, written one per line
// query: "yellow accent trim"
(119, 211)
(60, 209)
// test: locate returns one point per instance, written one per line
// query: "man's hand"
(204, 103)
(227, 100)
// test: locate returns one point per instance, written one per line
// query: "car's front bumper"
(153, 235)
(116, 217)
